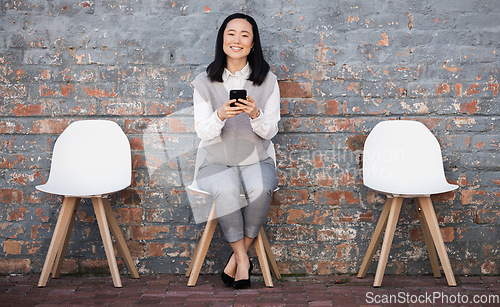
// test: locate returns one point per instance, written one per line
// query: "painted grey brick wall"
(343, 66)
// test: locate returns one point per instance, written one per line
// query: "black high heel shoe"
(244, 283)
(226, 279)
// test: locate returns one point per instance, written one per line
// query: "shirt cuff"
(217, 119)
(257, 118)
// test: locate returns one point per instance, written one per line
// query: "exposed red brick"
(444, 197)
(129, 215)
(347, 179)
(468, 197)
(157, 249)
(366, 217)
(6, 163)
(335, 197)
(64, 91)
(473, 89)
(50, 126)
(131, 197)
(493, 87)
(17, 215)
(384, 41)
(296, 216)
(10, 196)
(140, 232)
(12, 247)
(354, 86)
(374, 198)
(34, 231)
(136, 143)
(8, 266)
(356, 142)
(138, 161)
(136, 248)
(448, 234)
(443, 88)
(416, 234)
(469, 108)
(98, 266)
(295, 89)
(21, 109)
(99, 93)
(70, 266)
(332, 107)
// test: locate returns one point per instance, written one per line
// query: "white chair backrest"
(403, 157)
(201, 153)
(91, 157)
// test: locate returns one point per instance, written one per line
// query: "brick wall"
(343, 66)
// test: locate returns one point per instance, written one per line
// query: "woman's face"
(238, 39)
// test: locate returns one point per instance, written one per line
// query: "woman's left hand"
(249, 106)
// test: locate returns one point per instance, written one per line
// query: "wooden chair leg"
(191, 263)
(63, 221)
(201, 250)
(429, 243)
(376, 238)
(211, 216)
(430, 217)
(63, 247)
(389, 235)
(264, 265)
(120, 240)
(106, 239)
(270, 256)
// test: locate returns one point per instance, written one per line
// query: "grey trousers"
(225, 183)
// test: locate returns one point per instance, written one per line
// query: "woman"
(236, 138)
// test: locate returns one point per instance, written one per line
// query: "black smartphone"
(237, 94)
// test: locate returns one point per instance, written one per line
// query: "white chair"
(91, 159)
(261, 244)
(402, 159)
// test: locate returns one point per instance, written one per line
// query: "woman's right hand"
(226, 111)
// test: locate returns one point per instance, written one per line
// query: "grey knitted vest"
(237, 143)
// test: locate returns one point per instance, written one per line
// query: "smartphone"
(237, 94)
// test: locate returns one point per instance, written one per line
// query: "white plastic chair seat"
(403, 157)
(91, 157)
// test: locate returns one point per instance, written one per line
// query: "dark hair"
(258, 64)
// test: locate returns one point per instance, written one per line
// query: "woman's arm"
(206, 122)
(266, 124)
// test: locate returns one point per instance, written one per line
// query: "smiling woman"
(238, 41)
(236, 136)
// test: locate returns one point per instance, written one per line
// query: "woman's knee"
(257, 191)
